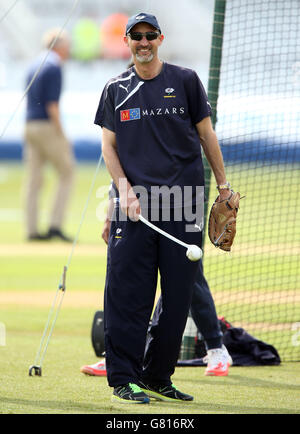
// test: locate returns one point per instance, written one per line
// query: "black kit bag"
(244, 349)
(98, 333)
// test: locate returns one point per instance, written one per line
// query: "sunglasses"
(138, 36)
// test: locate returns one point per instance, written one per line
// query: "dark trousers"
(135, 255)
(203, 311)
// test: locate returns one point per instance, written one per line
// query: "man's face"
(66, 48)
(63, 49)
(144, 51)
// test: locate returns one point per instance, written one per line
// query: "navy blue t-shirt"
(46, 87)
(154, 122)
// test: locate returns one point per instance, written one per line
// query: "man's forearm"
(112, 160)
(128, 200)
(212, 149)
(214, 156)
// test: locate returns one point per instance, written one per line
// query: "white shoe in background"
(218, 361)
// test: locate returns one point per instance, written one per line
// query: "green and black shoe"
(165, 393)
(130, 394)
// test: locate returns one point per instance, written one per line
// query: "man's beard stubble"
(143, 59)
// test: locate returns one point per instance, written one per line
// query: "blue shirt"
(46, 87)
(155, 125)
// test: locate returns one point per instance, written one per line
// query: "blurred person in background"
(45, 141)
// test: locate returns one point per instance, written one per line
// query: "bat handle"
(151, 225)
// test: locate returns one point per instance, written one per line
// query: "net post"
(213, 86)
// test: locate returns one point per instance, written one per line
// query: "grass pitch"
(30, 273)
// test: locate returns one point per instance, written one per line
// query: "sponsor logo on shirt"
(130, 114)
(163, 111)
(137, 113)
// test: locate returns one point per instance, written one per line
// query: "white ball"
(194, 253)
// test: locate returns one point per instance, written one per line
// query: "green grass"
(63, 389)
(265, 256)
(12, 190)
(43, 273)
(30, 274)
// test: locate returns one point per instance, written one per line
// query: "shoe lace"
(215, 357)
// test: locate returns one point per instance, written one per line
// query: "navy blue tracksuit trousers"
(135, 255)
(203, 312)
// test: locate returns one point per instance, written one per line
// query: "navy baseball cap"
(142, 18)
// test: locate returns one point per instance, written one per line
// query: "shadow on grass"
(59, 406)
(241, 380)
(155, 407)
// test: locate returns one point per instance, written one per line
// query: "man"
(44, 137)
(153, 117)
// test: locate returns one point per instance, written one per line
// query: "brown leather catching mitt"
(222, 221)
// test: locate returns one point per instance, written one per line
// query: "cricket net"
(254, 88)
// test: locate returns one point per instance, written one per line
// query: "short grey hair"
(58, 35)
